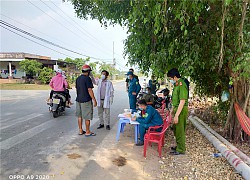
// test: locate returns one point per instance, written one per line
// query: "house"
(10, 68)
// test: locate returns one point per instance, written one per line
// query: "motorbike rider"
(67, 90)
(58, 85)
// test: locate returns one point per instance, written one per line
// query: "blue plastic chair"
(121, 125)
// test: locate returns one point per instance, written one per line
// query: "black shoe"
(176, 153)
(108, 127)
(100, 126)
(140, 143)
(172, 149)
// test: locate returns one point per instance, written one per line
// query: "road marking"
(9, 143)
(21, 119)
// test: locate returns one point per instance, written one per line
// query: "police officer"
(127, 79)
(180, 110)
(133, 90)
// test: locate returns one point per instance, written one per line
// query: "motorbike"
(58, 104)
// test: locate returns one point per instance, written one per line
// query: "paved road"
(33, 142)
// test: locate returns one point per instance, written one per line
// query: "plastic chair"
(152, 136)
(162, 109)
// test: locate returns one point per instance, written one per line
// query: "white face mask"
(103, 77)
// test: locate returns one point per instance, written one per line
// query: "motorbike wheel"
(55, 114)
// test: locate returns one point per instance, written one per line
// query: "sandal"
(88, 135)
(83, 132)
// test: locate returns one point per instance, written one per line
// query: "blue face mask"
(140, 108)
(172, 81)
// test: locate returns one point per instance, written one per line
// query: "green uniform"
(180, 92)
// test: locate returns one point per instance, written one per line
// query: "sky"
(56, 21)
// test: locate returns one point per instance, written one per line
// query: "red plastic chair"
(162, 109)
(152, 136)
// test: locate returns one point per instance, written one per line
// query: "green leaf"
(185, 32)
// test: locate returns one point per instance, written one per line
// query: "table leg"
(136, 133)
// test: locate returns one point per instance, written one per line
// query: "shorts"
(84, 110)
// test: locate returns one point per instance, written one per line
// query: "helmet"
(86, 68)
(59, 71)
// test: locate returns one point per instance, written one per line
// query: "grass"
(14, 86)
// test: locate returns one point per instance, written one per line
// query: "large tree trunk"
(240, 95)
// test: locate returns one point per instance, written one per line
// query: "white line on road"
(23, 118)
(9, 143)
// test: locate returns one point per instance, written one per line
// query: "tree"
(31, 67)
(110, 68)
(207, 40)
(45, 75)
(79, 62)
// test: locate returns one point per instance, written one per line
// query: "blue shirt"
(152, 116)
(83, 83)
(134, 86)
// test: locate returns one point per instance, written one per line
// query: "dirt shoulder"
(198, 162)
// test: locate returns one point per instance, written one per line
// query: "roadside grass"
(14, 86)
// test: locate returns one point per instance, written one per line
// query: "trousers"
(142, 130)
(132, 101)
(180, 130)
(104, 114)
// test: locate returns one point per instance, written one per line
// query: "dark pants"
(132, 101)
(142, 130)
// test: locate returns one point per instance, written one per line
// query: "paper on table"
(121, 116)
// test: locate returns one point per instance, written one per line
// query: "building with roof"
(10, 68)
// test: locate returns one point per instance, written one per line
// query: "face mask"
(140, 108)
(103, 77)
(146, 92)
(172, 81)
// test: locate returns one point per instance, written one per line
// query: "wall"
(4, 66)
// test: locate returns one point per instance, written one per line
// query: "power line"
(44, 40)
(54, 18)
(90, 35)
(78, 26)
(35, 29)
(35, 41)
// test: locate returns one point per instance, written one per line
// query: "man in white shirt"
(105, 95)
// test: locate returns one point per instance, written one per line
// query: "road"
(34, 143)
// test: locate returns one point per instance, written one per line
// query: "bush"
(45, 75)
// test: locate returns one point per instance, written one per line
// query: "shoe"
(139, 143)
(89, 135)
(176, 153)
(108, 127)
(49, 101)
(83, 132)
(100, 126)
(172, 149)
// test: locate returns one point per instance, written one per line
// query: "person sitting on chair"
(150, 118)
(149, 98)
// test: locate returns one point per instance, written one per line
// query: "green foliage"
(30, 66)
(45, 75)
(221, 111)
(79, 62)
(93, 66)
(184, 34)
(110, 68)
